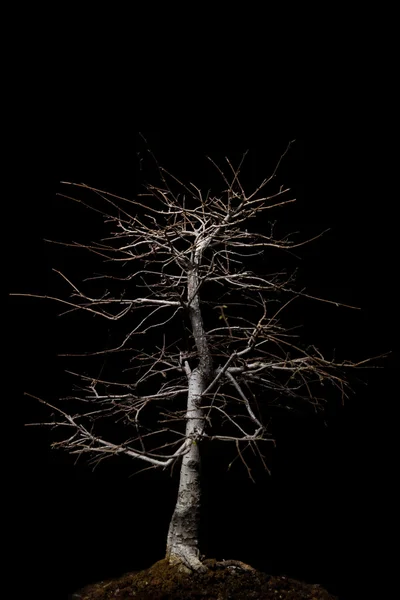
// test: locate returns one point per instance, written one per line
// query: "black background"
(326, 513)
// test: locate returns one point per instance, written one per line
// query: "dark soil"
(230, 580)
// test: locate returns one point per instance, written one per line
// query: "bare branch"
(178, 264)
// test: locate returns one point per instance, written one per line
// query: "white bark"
(183, 542)
(168, 247)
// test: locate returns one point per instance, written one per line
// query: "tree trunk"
(183, 534)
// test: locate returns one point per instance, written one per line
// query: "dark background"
(326, 512)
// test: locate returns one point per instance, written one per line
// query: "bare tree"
(202, 332)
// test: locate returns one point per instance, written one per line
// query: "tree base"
(186, 562)
(223, 579)
(190, 563)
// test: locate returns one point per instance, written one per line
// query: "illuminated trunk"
(183, 534)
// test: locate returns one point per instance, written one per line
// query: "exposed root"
(234, 563)
(187, 562)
